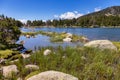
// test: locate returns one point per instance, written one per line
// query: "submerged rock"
(47, 52)
(8, 70)
(101, 44)
(27, 36)
(67, 39)
(52, 75)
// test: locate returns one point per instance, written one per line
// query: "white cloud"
(56, 16)
(97, 9)
(69, 15)
(23, 20)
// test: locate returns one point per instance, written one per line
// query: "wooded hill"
(106, 17)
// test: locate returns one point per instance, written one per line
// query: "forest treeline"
(9, 31)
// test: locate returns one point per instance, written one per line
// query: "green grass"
(9, 54)
(84, 63)
(5, 53)
(117, 44)
(31, 74)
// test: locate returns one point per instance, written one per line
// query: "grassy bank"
(56, 37)
(9, 54)
(84, 63)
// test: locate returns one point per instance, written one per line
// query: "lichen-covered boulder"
(8, 70)
(101, 44)
(52, 75)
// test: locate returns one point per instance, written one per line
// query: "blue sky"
(50, 9)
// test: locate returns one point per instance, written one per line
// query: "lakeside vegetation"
(82, 62)
(58, 37)
(9, 34)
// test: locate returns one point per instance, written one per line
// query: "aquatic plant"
(56, 37)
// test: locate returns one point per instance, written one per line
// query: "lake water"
(112, 34)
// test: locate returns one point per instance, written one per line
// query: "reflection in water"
(43, 41)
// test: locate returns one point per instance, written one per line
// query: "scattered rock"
(69, 35)
(2, 61)
(52, 75)
(30, 66)
(27, 36)
(47, 52)
(25, 55)
(101, 44)
(85, 39)
(19, 78)
(67, 39)
(83, 58)
(63, 57)
(8, 70)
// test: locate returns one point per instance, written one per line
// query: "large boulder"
(67, 39)
(30, 66)
(8, 70)
(47, 52)
(52, 75)
(101, 44)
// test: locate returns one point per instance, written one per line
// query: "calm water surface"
(92, 33)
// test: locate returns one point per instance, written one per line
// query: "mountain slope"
(106, 17)
(114, 10)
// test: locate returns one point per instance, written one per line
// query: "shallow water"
(92, 33)
(43, 41)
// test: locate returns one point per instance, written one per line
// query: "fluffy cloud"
(69, 15)
(23, 20)
(56, 16)
(97, 9)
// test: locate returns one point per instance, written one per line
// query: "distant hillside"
(106, 17)
(114, 10)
